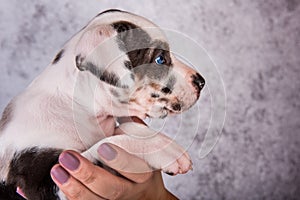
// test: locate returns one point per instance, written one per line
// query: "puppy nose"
(198, 81)
(176, 107)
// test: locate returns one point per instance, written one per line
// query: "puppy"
(119, 65)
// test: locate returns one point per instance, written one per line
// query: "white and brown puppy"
(119, 65)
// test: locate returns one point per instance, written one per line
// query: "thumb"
(130, 166)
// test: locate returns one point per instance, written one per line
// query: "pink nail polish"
(61, 175)
(69, 161)
(107, 152)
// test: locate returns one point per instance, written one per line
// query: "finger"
(72, 188)
(128, 165)
(98, 180)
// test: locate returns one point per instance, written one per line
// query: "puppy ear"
(89, 40)
(79, 59)
(123, 26)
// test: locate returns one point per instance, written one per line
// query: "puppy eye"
(160, 60)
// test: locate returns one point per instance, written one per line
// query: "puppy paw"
(167, 155)
(181, 166)
(158, 150)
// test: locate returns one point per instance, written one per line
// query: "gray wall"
(255, 45)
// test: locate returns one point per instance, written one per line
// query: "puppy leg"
(159, 151)
(30, 171)
(9, 193)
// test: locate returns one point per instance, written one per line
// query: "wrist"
(168, 196)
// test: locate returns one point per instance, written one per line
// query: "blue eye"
(160, 60)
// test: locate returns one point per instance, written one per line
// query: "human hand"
(78, 178)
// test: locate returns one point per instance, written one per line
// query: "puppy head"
(132, 56)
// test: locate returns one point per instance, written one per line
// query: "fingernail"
(61, 175)
(69, 161)
(107, 152)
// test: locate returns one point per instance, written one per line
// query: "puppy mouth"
(168, 110)
(163, 113)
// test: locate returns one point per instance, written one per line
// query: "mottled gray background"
(255, 44)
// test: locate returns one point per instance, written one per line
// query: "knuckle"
(74, 193)
(143, 177)
(88, 177)
(120, 190)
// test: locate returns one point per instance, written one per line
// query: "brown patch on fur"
(150, 101)
(134, 100)
(6, 116)
(139, 88)
(163, 100)
(155, 86)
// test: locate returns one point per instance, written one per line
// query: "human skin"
(89, 181)
(78, 178)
